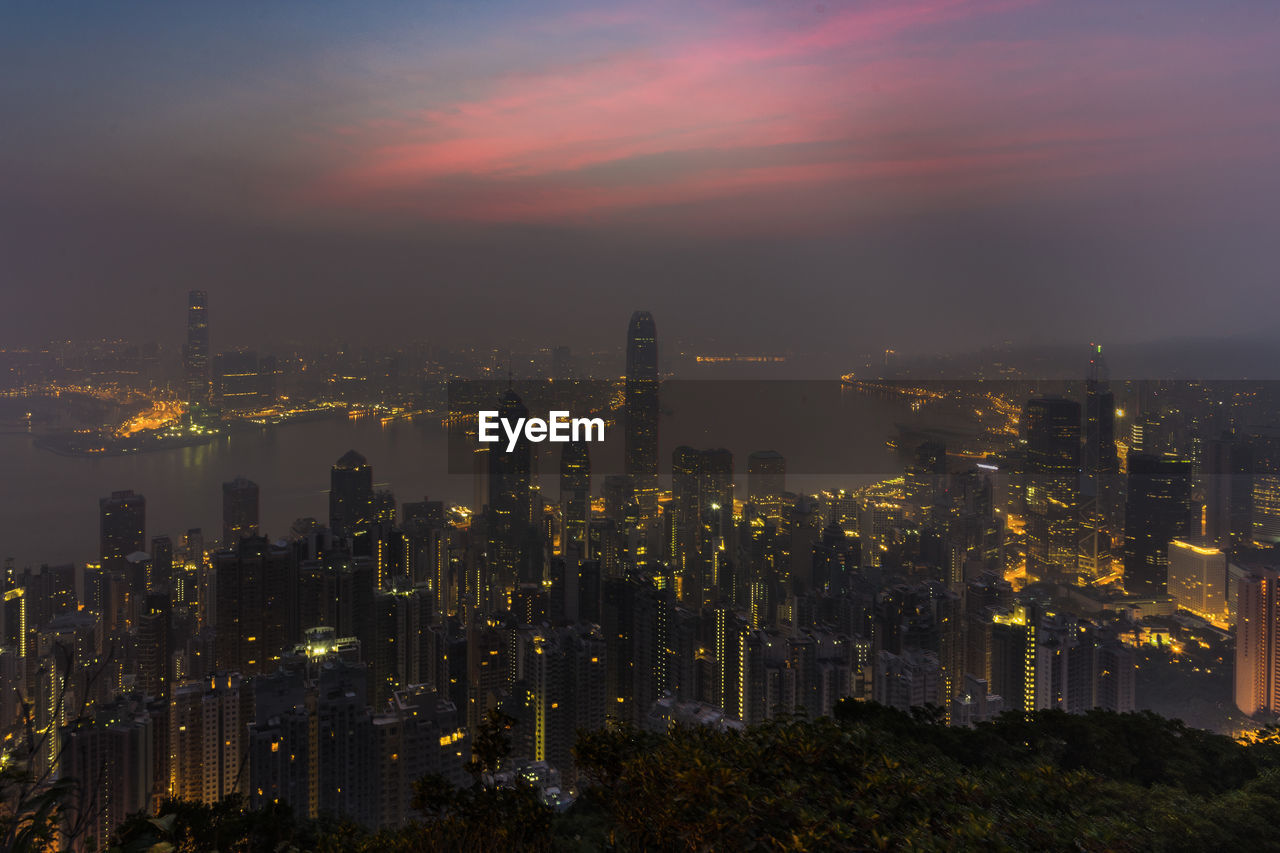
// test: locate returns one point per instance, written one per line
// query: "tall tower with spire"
(1101, 490)
(510, 512)
(642, 413)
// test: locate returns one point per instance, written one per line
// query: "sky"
(836, 177)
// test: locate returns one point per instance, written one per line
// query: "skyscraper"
(1257, 679)
(207, 739)
(350, 494)
(702, 506)
(642, 412)
(241, 381)
(239, 510)
(767, 483)
(1264, 446)
(195, 355)
(575, 498)
(1157, 511)
(252, 594)
(1227, 467)
(1099, 457)
(1052, 478)
(510, 513)
(122, 527)
(1102, 492)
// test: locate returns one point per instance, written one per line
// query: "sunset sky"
(837, 175)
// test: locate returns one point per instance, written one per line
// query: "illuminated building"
(350, 494)
(243, 382)
(207, 747)
(509, 516)
(909, 680)
(69, 681)
(252, 585)
(154, 626)
(879, 518)
(702, 514)
(317, 745)
(1198, 579)
(975, 703)
(239, 511)
(564, 675)
(1264, 446)
(1102, 490)
(1257, 670)
(111, 757)
(487, 671)
(1227, 469)
(396, 655)
(575, 499)
(1079, 668)
(619, 497)
(641, 413)
(122, 526)
(1099, 458)
(636, 620)
(1052, 482)
(1013, 651)
(429, 564)
(926, 476)
(1157, 511)
(727, 692)
(161, 562)
(195, 355)
(767, 485)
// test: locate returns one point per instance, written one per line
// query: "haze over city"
(921, 481)
(925, 175)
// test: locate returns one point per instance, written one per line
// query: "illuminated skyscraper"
(1052, 477)
(161, 562)
(575, 498)
(195, 355)
(1227, 469)
(926, 476)
(207, 739)
(350, 494)
(1257, 675)
(122, 527)
(1099, 456)
(510, 512)
(253, 584)
(642, 412)
(111, 757)
(1264, 444)
(767, 483)
(241, 381)
(702, 508)
(1157, 511)
(1101, 491)
(566, 675)
(239, 511)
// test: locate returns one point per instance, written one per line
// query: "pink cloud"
(754, 105)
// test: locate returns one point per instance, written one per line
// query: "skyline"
(926, 176)
(940, 453)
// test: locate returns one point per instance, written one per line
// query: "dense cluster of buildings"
(332, 665)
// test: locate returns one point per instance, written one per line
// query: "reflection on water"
(49, 504)
(49, 508)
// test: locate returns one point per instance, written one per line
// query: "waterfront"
(49, 513)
